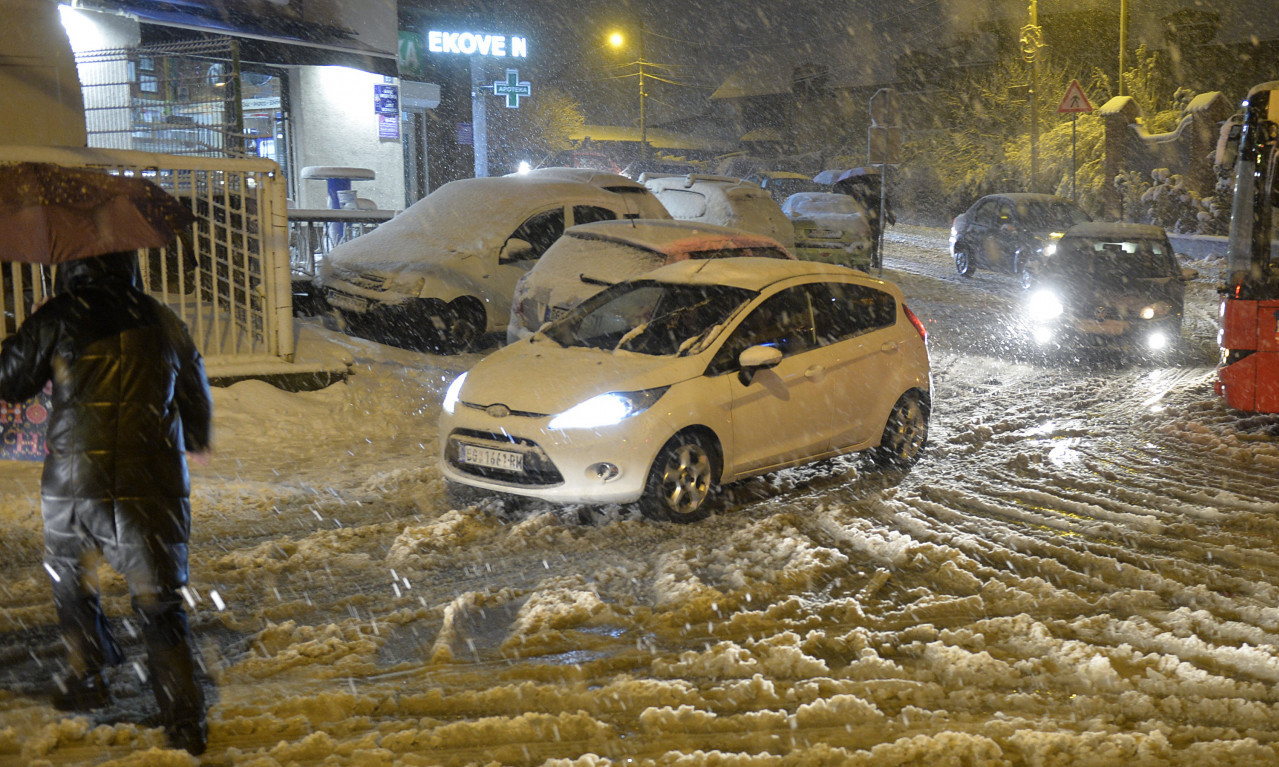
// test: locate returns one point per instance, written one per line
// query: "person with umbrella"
(129, 397)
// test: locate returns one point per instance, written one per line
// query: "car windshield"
(822, 204)
(1041, 216)
(1114, 260)
(650, 317)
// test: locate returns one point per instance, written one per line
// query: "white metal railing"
(313, 232)
(227, 277)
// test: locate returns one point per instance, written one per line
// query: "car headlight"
(1044, 305)
(606, 409)
(1050, 249)
(451, 395)
(408, 286)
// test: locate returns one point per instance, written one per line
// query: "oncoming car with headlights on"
(661, 388)
(1108, 282)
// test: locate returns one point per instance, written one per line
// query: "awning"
(269, 33)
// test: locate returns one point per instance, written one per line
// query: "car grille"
(368, 281)
(539, 470)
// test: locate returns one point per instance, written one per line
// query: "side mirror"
(1188, 274)
(754, 358)
(515, 249)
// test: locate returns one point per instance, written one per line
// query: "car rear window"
(683, 203)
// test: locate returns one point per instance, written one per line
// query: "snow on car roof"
(471, 215)
(672, 237)
(593, 176)
(1029, 197)
(1118, 230)
(750, 273)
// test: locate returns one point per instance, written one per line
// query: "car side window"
(541, 231)
(845, 310)
(1005, 215)
(784, 321)
(985, 215)
(586, 214)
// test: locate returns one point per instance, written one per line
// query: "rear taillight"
(919, 326)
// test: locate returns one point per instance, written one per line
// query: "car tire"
(681, 482)
(964, 263)
(464, 322)
(1025, 277)
(905, 433)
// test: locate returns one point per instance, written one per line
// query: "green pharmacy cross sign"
(512, 88)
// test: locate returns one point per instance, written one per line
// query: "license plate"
(350, 303)
(492, 459)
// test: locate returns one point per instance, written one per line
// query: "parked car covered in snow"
(661, 388)
(721, 200)
(590, 257)
(1118, 283)
(830, 227)
(442, 273)
(783, 183)
(1007, 232)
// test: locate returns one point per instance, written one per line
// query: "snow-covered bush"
(1164, 201)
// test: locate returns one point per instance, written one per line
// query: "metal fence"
(176, 98)
(314, 232)
(227, 277)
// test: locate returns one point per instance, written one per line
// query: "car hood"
(846, 222)
(541, 377)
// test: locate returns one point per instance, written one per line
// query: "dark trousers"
(156, 573)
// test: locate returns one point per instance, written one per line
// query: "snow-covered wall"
(336, 125)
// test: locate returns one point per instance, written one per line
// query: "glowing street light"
(618, 40)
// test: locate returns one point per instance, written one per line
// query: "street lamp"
(618, 40)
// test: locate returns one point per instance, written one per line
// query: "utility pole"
(1032, 40)
(1123, 45)
(642, 95)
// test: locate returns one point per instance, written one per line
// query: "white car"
(721, 200)
(442, 273)
(661, 388)
(830, 227)
(590, 257)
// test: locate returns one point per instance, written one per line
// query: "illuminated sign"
(473, 44)
(512, 88)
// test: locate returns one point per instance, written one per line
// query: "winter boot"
(81, 693)
(192, 736)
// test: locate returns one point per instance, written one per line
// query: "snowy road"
(1081, 571)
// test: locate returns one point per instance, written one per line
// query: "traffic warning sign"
(1075, 100)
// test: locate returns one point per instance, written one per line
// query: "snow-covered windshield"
(821, 205)
(649, 317)
(1110, 260)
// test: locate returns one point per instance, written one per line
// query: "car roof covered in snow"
(1028, 197)
(671, 237)
(593, 176)
(752, 273)
(476, 215)
(1116, 230)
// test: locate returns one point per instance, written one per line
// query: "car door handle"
(815, 373)
(888, 346)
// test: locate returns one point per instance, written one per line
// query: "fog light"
(603, 471)
(1042, 335)
(1157, 340)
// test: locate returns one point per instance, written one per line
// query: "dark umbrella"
(50, 214)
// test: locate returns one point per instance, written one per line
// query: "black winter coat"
(129, 394)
